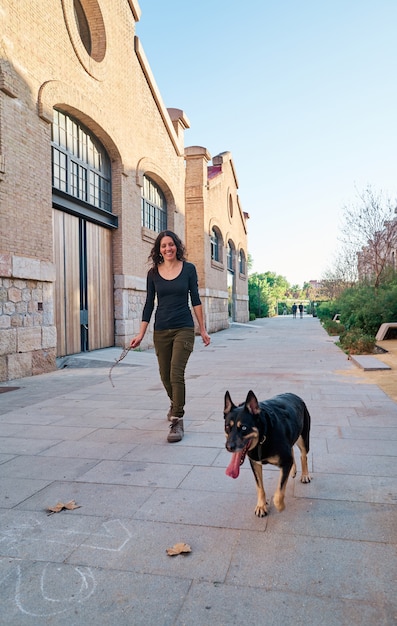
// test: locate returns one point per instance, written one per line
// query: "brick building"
(92, 167)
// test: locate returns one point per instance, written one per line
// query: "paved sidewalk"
(328, 559)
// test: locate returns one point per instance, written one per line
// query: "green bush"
(326, 310)
(362, 309)
(390, 304)
(333, 328)
(355, 342)
(366, 308)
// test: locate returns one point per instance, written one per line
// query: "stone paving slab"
(372, 434)
(377, 447)
(89, 450)
(139, 474)
(15, 490)
(372, 563)
(39, 536)
(94, 499)
(335, 518)
(54, 432)
(369, 363)
(6, 457)
(358, 465)
(177, 455)
(329, 557)
(223, 605)
(28, 466)
(63, 594)
(15, 445)
(352, 488)
(142, 549)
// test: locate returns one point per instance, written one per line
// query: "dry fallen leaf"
(178, 548)
(60, 506)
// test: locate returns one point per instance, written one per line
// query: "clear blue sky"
(303, 93)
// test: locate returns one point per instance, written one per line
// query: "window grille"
(241, 262)
(154, 206)
(80, 165)
(230, 257)
(214, 245)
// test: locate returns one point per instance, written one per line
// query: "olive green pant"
(173, 348)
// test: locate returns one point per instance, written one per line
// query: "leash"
(260, 444)
(262, 439)
(116, 361)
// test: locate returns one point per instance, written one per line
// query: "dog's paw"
(261, 510)
(279, 503)
(305, 478)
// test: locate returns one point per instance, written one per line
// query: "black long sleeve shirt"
(173, 309)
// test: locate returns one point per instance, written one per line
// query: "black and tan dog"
(267, 432)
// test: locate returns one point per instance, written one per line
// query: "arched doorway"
(82, 227)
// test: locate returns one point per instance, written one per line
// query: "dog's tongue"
(233, 469)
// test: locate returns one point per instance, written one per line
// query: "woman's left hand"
(206, 338)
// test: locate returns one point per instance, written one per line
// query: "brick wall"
(44, 64)
(212, 200)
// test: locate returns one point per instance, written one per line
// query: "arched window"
(241, 261)
(230, 206)
(80, 164)
(154, 206)
(214, 245)
(230, 251)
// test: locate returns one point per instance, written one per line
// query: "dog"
(267, 432)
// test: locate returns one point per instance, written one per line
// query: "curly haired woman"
(172, 279)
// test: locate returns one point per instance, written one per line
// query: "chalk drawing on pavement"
(48, 588)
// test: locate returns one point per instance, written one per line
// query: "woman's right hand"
(135, 342)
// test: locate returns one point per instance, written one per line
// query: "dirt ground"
(385, 379)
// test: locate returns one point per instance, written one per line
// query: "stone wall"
(215, 306)
(27, 330)
(241, 309)
(129, 300)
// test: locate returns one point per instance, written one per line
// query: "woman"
(172, 279)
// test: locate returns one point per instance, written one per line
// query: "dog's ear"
(228, 404)
(251, 403)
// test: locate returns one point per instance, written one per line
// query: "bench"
(384, 329)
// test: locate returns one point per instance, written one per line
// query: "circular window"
(82, 26)
(87, 33)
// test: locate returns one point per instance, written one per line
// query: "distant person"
(301, 310)
(294, 309)
(285, 310)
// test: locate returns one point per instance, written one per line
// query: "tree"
(257, 295)
(295, 292)
(264, 291)
(343, 275)
(368, 235)
(277, 289)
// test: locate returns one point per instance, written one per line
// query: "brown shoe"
(176, 430)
